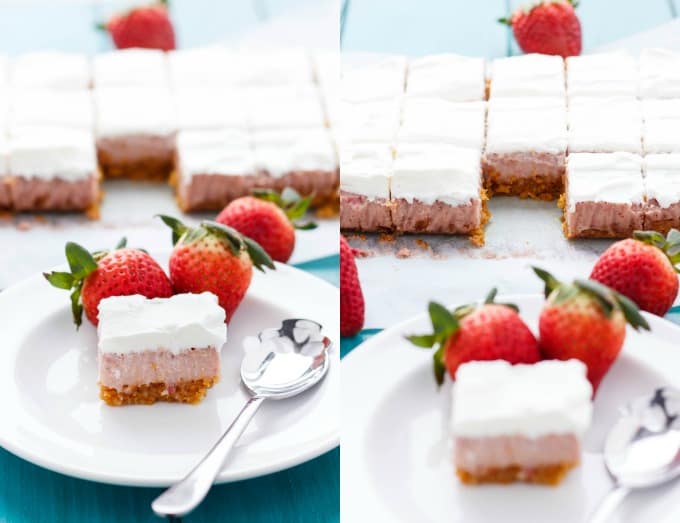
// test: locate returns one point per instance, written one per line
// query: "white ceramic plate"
(52, 415)
(396, 457)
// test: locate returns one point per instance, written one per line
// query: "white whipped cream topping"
(134, 323)
(384, 80)
(527, 75)
(326, 66)
(604, 177)
(202, 66)
(659, 73)
(605, 74)
(52, 152)
(130, 67)
(275, 108)
(662, 178)
(50, 107)
(449, 76)
(366, 170)
(661, 125)
(210, 108)
(50, 69)
(605, 125)
(4, 71)
(272, 67)
(494, 398)
(225, 152)
(373, 121)
(434, 120)
(437, 172)
(526, 125)
(121, 111)
(284, 151)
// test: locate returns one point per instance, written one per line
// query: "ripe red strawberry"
(214, 258)
(643, 269)
(549, 27)
(121, 272)
(488, 331)
(351, 297)
(148, 26)
(270, 219)
(587, 321)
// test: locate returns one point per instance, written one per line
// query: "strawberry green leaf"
(231, 237)
(426, 341)
(491, 296)
(269, 196)
(631, 312)
(601, 293)
(61, 280)
(551, 283)
(258, 255)
(439, 366)
(178, 228)
(305, 226)
(504, 20)
(290, 196)
(80, 261)
(442, 320)
(122, 243)
(297, 210)
(77, 305)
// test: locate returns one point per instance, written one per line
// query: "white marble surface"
(36, 243)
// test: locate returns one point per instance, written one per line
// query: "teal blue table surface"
(308, 493)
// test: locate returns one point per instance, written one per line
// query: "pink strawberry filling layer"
(358, 213)
(157, 366)
(602, 219)
(479, 455)
(437, 218)
(37, 194)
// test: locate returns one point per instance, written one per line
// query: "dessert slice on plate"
(604, 196)
(365, 188)
(526, 146)
(519, 422)
(160, 349)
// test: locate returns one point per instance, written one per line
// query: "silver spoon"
(279, 363)
(642, 448)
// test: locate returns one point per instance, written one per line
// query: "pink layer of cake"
(124, 371)
(604, 220)
(55, 194)
(358, 213)
(484, 457)
(660, 218)
(139, 157)
(525, 174)
(436, 218)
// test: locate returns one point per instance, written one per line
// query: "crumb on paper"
(24, 225)
(404, 252)
(40, 218)
(422, 244)
(362, 253)
(387, 238)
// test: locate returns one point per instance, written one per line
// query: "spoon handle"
(183, 497)
(608, 505)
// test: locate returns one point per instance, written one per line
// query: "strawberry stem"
(670, 245)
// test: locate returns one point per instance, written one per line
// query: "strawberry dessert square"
(295, 106)
(437, 189)
(448, 76)
(662, 188)
(211, 66)
(434, 120)
(135, 129)
(605, 195)
(130, 68)
(51, 70)
(52, 169)
(371, 122)
(304, 159)
(519, 422)
(213, 167)
(204, 108)
(272, 67)
(661, 126)
(365, 188)
(659, 74)
(605, 125)
(527, 76)
(160, 349)
(525, 147)
(602, 75)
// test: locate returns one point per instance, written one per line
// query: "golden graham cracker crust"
(537, 187)
(183, 392)
(551, 475)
